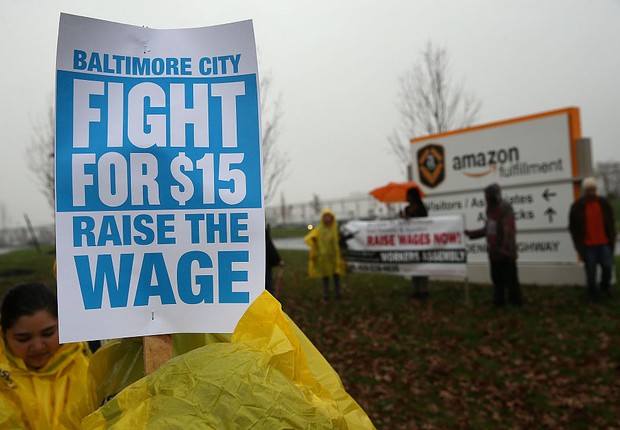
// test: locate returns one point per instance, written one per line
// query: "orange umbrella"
(395, 192)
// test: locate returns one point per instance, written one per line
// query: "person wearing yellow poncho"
(325, 260)
(41, 381)
(267, 375)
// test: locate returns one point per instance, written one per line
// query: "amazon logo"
(479, 164)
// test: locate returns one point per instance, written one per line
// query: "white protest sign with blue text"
(159, 206)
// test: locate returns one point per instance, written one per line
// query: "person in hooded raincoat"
(500, 232)
(41, 381)
(325, 260)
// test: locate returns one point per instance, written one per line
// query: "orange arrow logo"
(492, 168)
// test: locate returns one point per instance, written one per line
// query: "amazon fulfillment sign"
(532, 158)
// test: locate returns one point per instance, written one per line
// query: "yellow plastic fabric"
(120, 362)
(46, 398)
(267, 375)
(325, 257)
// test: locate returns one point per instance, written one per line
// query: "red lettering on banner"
(378, 240)
(414, 239)
(448, 237)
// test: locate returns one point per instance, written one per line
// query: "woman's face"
(34, 338)
(327, 219)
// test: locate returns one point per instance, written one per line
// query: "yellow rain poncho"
(325, 255)
(45, 398)
(267, 375)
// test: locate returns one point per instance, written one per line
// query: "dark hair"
(414, 193)
(26, 299)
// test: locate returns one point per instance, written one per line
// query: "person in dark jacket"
(500, 232)
(593, 230)
(416, 209)
(272, 259)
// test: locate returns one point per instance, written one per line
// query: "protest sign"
(159, 207)
(409, 247)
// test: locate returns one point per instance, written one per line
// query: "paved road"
(9, 249)
(296, 243)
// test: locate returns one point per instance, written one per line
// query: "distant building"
(363, 207)
(20, 236)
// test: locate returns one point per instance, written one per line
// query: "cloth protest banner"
(159, 205)
(409, 247)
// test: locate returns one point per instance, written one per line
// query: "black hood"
(493, 194)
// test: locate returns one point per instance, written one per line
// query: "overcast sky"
(336, 65)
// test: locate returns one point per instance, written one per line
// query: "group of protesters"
(46, 384)
(240, 381)
(500, 233)
(591, 225)
(35, 369)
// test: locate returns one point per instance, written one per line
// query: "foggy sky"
(336, 66)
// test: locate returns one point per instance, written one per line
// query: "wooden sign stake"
(157, 350)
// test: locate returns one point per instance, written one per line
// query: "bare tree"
(41, 151)
(429, 103)
(316, 204)
(40, 156)
(275, 162)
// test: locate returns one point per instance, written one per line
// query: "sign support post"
(157, 350)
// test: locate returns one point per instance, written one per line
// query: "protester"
(416, 209)
(272, 259)
(325, 257)
(265, 375)
(500, 233)
(41, 381)
(593, 229)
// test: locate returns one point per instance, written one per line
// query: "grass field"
(553, 364)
